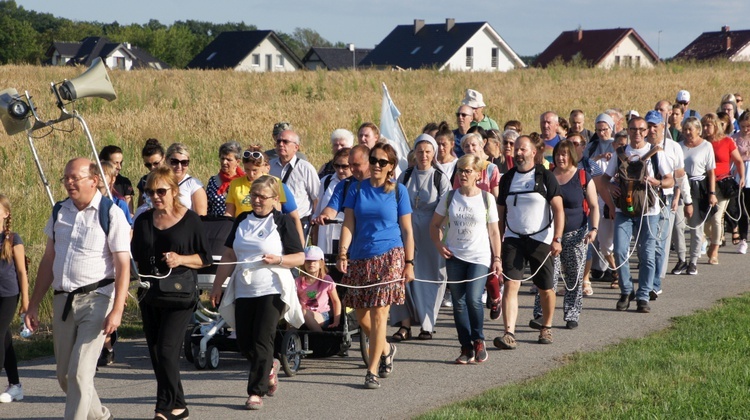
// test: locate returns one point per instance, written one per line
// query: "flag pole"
(398, 120)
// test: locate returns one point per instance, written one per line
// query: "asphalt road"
(424, 376)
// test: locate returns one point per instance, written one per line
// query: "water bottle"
(25, 331)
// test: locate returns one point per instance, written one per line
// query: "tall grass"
(206, 108)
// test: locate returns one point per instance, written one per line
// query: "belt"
(81, 290)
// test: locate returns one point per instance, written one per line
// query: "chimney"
(725, 29)
(578, 35)
(418, 25)
(449, 24)
(728, 42)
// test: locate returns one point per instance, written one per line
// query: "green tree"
(18, 42)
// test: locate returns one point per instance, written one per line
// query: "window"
(494, 58)
(120, 63)
(415, 50)
(638, 61)
(279, 60)
(211, 56)
(627, 61)
(437, 50)
(469, 57)
(617, 60)
(256, 60)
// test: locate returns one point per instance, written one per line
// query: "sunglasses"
(254, 196)
(508, 143)
(338, 166)
(175, 162)
(285, 141)
(252, 155)
(461, 114)
(379, 162)
(161, 192)
(465, 171)
(150, 165)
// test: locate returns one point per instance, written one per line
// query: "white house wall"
(742, 55)
(111, 60)
(628, 47)
(264, 48)
(483, 43)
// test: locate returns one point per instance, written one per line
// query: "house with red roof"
(725, 44)
(603, 48)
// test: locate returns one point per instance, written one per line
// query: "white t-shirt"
(673, 153)
(665, 168)
(188, 186)
(329, 233)
(467, 236)
(699, 159)
(254, 238)
(527, 210)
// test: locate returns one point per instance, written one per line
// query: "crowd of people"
(477, 211)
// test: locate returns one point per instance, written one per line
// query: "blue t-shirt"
(123, 205)
(8, 275)
(290, 205)
(376, 213)
(337, 197)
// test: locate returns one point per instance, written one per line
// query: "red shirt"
(723, 151)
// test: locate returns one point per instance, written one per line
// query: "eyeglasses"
(285, 141)
(682, 102)
(150, 165)
(337, 166)
(465, 171)
(508, 143)
(252, 155)
(161, 192)
(638, 130)
(601, 130)
(576, 143)
(72, 180)
(461, 114)
(175, 162)
(254, 196)
(379, 162)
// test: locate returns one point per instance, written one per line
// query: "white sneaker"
(13, 392)
(742, 247)
(704, 245)
(447, 303)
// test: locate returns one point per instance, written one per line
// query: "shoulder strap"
(582, 179)
(55, 212)
(288, 172)
(184, 181)
(655, 165)
(104, 206)
(407, 174)
(486, 197)
(327, 182)
(436, 178)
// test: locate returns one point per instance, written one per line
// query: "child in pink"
(316, 296)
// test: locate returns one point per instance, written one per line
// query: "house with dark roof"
(468, 46)
(116, 55)
(603, 48)
(725, 44)
(334, 58)
(256, 51)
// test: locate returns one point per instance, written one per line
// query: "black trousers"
(257, 320)
(165, 332)
(8, 307)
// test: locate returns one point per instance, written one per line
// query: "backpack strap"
(436, 178)
(288, 172)
(407, 174)
(105, 205)
(327, 182)
(582, 179)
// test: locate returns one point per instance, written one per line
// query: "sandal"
(403, 333)
(273, 378)
(587, 289)
(254, 402)
(386, 363)
(735, 237)
(615, 280)
(425, 335)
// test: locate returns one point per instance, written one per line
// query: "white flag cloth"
(390, 129)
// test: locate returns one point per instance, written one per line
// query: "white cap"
(473, 99)
(683, 96)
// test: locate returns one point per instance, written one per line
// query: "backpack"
(449, 199)
(104, 207)
(635, 195)
(539, 188)
(435, 178)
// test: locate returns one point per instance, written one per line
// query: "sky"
(528, 26)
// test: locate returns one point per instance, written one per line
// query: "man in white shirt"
(299, 175)
(640, 225)
(80, 262)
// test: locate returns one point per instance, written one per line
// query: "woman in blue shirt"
(377, 234)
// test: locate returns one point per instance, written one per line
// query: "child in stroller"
(318, 296)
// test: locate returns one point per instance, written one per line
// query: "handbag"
(728, 187)
(178, 291)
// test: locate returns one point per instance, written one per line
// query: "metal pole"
(39, 167)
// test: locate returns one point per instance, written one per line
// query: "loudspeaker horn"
(14, 112)
(93, 83)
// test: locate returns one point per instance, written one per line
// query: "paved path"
(424, 375)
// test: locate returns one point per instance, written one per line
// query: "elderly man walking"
(87, 251)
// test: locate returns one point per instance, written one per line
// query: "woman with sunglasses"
(192, 194)
(262, 288)
(167, 241)
(377, 234)
(230, 154)
(238, 199)
(153, 157)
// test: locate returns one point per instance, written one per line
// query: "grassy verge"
(696, 369)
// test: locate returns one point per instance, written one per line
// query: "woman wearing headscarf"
(426, 185)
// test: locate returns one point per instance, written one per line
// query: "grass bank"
(695, 369)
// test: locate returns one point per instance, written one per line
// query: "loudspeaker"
(14, 112)
(93, 83)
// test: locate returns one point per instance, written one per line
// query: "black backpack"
(635, 195)
(539, 188)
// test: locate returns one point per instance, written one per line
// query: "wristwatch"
(557, 239)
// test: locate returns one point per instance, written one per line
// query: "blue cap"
(654, 117)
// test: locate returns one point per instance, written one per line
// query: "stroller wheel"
(212, 356)
(291, 356)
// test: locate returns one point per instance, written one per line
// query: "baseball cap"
(654, 117)
(683, 96)
(313, 253)
(281, 126)
(632, 113)
(473, 99)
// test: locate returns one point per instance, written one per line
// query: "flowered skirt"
(378, 269)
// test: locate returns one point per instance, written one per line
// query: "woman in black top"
(168, 241)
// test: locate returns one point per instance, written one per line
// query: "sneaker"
(571, 325)
(533, 289)
(742, 247)
(545, 335)
(624, 302)
(371, 381)
(597, 274)
(496, 308)
(480, 351)
(704, 245)
(466, 357)
(386, 363)
(643, 307)
(692, 269)
(106, 358)
(679, 268)
(654, 294)
(12, 393)
(506, 342)
(447, 303)
(536, 323)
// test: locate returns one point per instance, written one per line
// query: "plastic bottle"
(25, 331)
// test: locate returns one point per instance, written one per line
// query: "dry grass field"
(206, 108)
